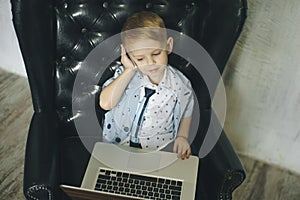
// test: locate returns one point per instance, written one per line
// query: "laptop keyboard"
(137, 185)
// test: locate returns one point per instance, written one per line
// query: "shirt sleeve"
(117, 73)
(188, 94)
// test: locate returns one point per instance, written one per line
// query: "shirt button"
(118, 140)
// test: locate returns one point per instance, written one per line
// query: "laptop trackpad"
(117, 158)
(149, 162)
(144, 162)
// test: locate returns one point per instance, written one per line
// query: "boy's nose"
(151, 61)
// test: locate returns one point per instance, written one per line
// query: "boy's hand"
(125, 60)
(182, 147)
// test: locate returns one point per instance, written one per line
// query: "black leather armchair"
(56, 36)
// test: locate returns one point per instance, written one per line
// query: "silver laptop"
(122, 172)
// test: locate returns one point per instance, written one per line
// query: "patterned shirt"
(172, 101)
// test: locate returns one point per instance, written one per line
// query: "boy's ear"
(169, 45)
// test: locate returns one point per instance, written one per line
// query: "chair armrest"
(220, 172)
(41, 167)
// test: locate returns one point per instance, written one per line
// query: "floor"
(263, 182)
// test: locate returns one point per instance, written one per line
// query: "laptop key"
(175, 197)
(103, 177)
(132, 190)
(139, 192)
(119, 174)
(150, 194)
(175, 192)
(179, 183)
(173, 182)
(161, 180)
(143, 178)
(174, 188)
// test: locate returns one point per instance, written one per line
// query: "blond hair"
(144, 25)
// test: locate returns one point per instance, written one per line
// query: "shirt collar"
(165, 81)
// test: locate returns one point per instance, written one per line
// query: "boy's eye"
(139, 59)
(156, 53)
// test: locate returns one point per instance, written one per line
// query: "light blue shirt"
(173, 100)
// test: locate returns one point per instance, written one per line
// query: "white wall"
(10, 56)
(262, 84)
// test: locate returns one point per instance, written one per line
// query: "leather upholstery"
(56, 36)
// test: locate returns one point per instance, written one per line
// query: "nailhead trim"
(227, 195)
(36, 188)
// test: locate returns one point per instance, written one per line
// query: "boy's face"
(150, 56)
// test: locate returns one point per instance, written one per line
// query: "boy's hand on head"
(182, 147)
(125, 60)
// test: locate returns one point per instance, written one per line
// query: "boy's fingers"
(188, 152)
(185, 154)
(122, 50)
(180, 152)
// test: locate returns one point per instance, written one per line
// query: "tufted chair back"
(56, 37)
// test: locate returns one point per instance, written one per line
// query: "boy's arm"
(111, 94)
(181, 144)
(184, 127)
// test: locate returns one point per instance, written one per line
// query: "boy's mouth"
(154, 70)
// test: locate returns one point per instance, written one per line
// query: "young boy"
(150, 103)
